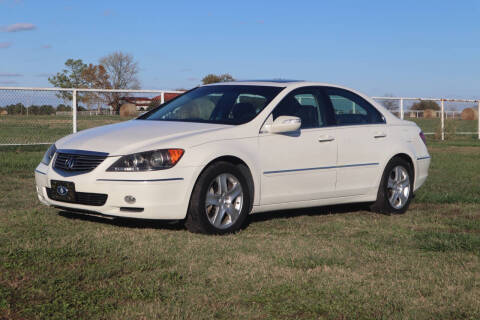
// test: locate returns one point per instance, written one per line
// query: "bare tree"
(122, 71)
(391, 105)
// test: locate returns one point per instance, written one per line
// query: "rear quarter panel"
(405, 137)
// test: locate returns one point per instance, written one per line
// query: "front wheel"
(220, 200)
(396, 188)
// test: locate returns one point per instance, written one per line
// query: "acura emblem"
(70, 163)
(62, 190)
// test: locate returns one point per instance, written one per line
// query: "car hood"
(134, 136)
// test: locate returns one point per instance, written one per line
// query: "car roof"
(277, 83)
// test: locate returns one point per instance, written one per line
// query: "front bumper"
(162, 196)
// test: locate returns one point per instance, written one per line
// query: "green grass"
(454, 175)
(319, 263)
(43, 129)
(451, 128)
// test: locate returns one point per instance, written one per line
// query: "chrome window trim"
(323, 168)
(147, 180)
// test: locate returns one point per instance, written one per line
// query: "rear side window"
(351, 109)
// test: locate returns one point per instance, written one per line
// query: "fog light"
(130, 199)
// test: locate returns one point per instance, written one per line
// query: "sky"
(408, 48)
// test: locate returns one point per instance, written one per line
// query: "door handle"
(325, 138)
(379, 134)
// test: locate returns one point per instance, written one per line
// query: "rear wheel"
(396, 188)
(220, 200)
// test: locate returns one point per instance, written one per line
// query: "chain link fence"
(35, 116)
(439, 118)
(30, 116)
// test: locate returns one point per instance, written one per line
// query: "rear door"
(362, 137)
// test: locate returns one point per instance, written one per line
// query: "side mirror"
(284, 124)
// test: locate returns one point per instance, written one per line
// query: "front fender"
(245, 149)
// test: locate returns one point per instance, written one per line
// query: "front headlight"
(47, 157)
(148, 160)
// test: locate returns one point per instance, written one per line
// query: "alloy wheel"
(224, 200)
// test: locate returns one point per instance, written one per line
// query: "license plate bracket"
(62, 190)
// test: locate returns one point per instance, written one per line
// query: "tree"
(46, 109)
(70, 77)
(62, 107)
(33, 109)
(424, 105)
(391, 105)
(122, 71)
(96, 77)
(18, 108)
(213, 78)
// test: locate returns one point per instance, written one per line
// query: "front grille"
(77, 162)
(88, 199)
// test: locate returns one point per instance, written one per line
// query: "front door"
(299, 166)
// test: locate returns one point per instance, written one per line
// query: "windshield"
(224, 104)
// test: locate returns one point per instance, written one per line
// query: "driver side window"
(305, 105)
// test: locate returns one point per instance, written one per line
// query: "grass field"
(332, 263)
(41, 129)
(47, 129)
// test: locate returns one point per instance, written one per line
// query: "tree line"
(45, 109)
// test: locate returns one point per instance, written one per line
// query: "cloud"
(46, 46)
(8, 82)
(17, 27)
(10, 75)
(4, 45)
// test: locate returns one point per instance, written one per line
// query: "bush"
(62, 107)
(18, 108)
(424, 105)
(46, 109)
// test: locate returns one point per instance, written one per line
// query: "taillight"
(422, 136)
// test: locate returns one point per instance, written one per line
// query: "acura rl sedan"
(220, 152)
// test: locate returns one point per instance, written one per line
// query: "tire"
(396, 188)
(221, 200)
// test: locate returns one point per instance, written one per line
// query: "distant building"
(141, 103)
(167, 96)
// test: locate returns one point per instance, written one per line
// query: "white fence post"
(443, 121)
(401, 109)
(162, 97)
(74, 110)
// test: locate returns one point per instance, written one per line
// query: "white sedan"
(220, 152)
